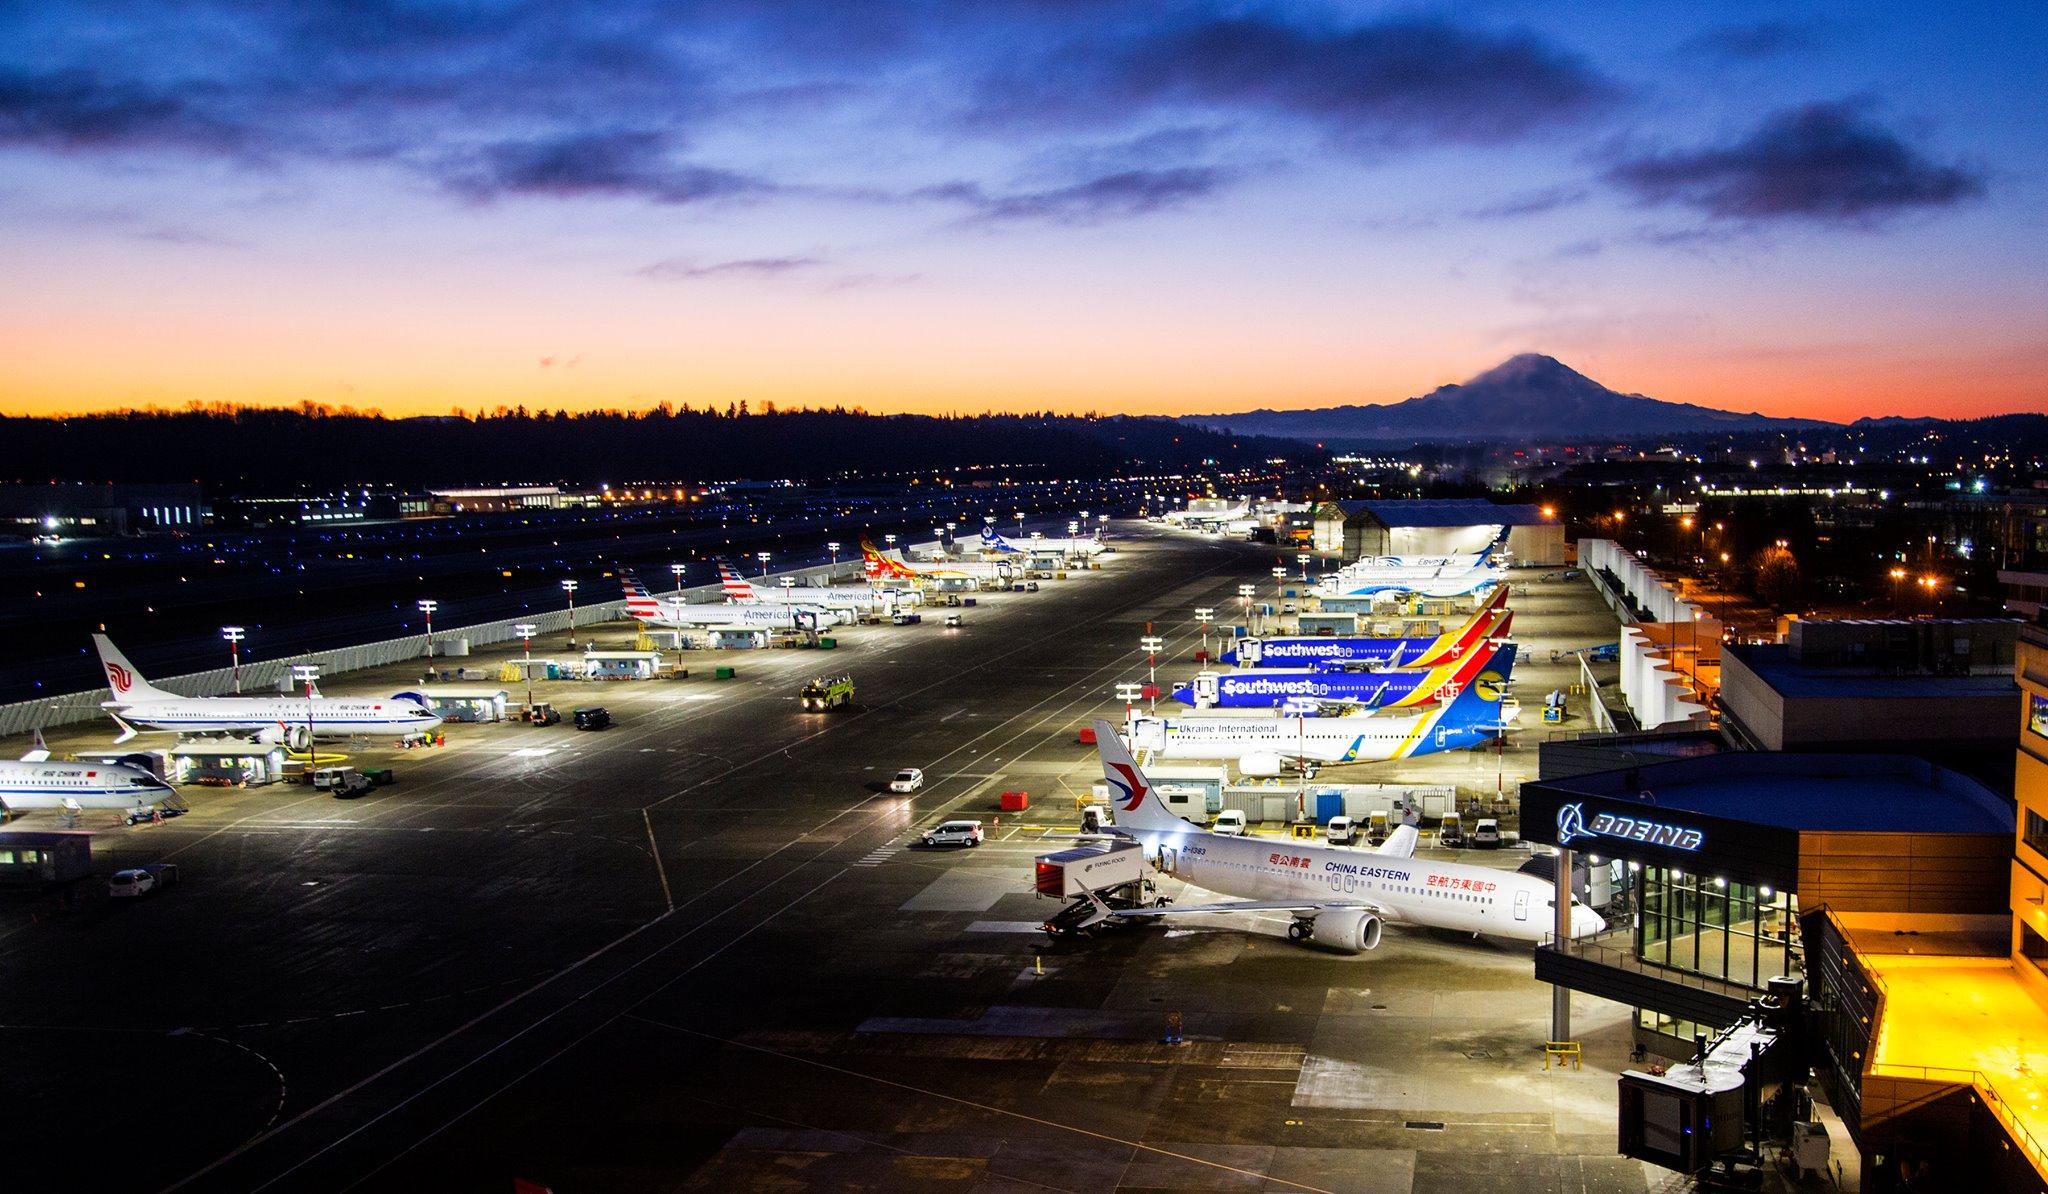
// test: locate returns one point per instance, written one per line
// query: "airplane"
(1396, 689)
(1423, 582)
(880, 567)
(1491, 621)
(1261, 746)
(1339, 898)
(999, 545)
(1199, 518)
(676, 613)
(37, 783)
(740, 591)
(293, 721)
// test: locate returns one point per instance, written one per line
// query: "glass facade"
(1735, 932)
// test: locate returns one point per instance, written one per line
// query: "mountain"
(1530, 397)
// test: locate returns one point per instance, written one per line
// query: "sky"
(1826, 211)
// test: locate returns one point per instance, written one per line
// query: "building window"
(2037, 714)
(1739, 932)
(2033, 947)
(2037, 832)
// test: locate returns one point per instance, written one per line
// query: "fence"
(268, 674)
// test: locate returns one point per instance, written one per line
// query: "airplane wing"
(1256, 906)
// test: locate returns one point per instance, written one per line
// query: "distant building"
(81, 509)
(497, 498)
(2026, 593)
(342, 506)
(1434, 527)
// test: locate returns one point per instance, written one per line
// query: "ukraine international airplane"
(1339, 898)
(294, 720)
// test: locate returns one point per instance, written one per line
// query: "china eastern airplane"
(740, 591)
(37, 783)
(1339, 898)
(1269, 688)
(999, 545)
(294, 720)
(1490, 622)
(1260, 746)
(880, 567)
(679, 614)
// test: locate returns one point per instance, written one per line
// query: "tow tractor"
(827, 692)
(1098, 878)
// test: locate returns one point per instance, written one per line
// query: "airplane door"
(1521, 905)
(1169, 859)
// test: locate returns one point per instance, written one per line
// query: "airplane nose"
(1587, 923)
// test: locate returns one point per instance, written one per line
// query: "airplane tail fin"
(123, 680)
(1138, 805)
(735, 586)
(1400, 842)
(639, 602)
(1478, 703)
(41, 750)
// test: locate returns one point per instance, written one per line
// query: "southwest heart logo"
(1134, 788)
(119, 677)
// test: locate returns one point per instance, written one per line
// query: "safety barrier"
(268, 675)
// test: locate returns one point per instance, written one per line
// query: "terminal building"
(76, 510)
(1437, 527)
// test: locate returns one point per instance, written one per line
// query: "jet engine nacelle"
(1264, 765)
(1352, 931)
(291, 737)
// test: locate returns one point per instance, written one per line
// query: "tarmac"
(700, 950)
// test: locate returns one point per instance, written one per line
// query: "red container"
(1150, 692)
(1015, 802)
(1087, 735)
(1202, 656)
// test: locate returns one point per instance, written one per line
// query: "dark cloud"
(1394, 81)
(1751, 42)
(630, 164)
(1108, 196)
(81, 110)
(1821, 162)
(681, 269)
(1529, 203)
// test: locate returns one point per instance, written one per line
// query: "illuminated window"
(2037, 715)
(2037, 831)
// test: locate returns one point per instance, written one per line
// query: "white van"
(910, 779)
(1230, 822)
(1342, 831)
(1486, 834)
(953, 833)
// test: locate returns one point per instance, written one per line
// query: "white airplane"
(1002, 545)
(1211, 518)
(293, 720)
(37, 783)
(1339, 898)
(883, 568)
(685, 615)
(1261, 744)
(740, 591)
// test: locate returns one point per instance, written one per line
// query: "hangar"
(1437, 526)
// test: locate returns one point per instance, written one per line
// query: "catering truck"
(1096, 878)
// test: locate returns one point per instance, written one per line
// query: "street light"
(525, 631)
(676, 570)
(427, 607)
(1020, 523)
(1129, 694)
(788, 583)
(1203, 615)
(889, 541)
(1303, 560)
(234, 636)
(1244, 594)
(1279, 589)
(1151, 644)
(763, 557)
(569, 587)
(1898, 574)
(307, 673)
(833, 547)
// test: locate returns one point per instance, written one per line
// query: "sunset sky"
(1019, 204)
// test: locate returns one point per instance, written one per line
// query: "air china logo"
(1134, 788)
(1572, 826)
(120, 677)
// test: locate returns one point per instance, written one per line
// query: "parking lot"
(699, 950)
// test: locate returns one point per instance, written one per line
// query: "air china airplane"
(294, 721)
(1260, 746)
(760, 615)
(1490, 622)
(1339, 898)
(37, 783)
(1271, 688)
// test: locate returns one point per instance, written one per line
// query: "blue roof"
(1774, 665)
(1453, 512)
(1845, 792)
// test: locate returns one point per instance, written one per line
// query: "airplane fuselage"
(78, 785)
(328, 717)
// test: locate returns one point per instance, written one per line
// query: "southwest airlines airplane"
(1338, 898)
(1490, 622)
(1261, 746)
(291, 720)
(1271, 688)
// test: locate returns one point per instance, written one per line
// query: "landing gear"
(1298, 930)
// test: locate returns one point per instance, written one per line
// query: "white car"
(953, 833)
(1230, 822)
(1486, 834)
(141, 880)
(1343, 831)
(910, 779)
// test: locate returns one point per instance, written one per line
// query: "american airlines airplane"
(1490, 622)
(294, 721)
(740, 591)
(37, 783)
(1339, 898)
(685, 615)
(1263, 688)
(1261, 745)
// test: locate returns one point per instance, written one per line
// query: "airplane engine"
(290, 737)
(1351, 931)
(1259, 766)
